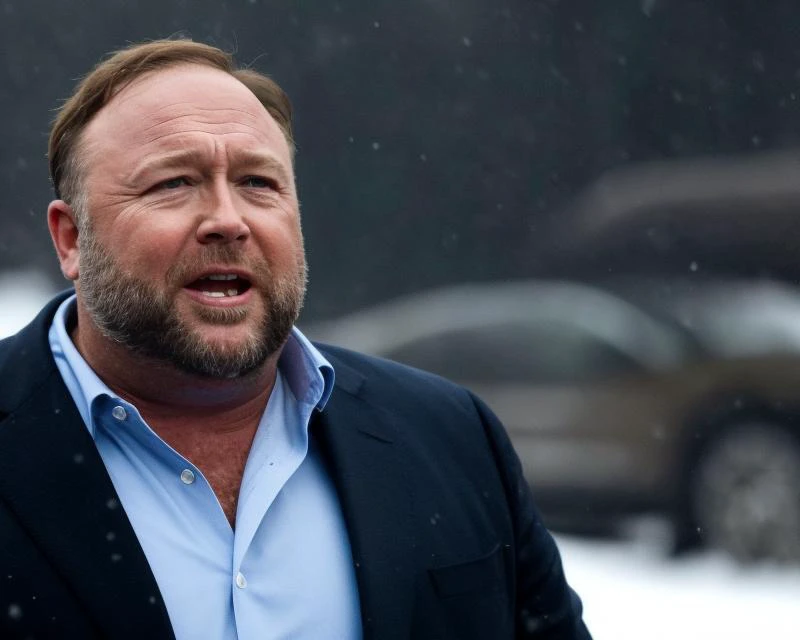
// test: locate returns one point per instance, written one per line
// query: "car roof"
(731, 317)
(386, 326)
(723, 214)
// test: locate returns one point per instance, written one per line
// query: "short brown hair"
(120, 69)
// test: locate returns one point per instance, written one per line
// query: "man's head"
(178, 218)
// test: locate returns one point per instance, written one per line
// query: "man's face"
(190, 248)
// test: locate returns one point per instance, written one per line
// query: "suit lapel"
(364, 453)
(55, 483)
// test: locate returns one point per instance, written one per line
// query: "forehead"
(160, 109)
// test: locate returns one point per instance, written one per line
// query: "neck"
(168, 396)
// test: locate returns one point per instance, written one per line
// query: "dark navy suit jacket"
(445, 538)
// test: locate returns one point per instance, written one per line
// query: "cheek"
(152, 252)
(280, 240)
(292, 254)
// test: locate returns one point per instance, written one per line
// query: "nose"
(222, 222)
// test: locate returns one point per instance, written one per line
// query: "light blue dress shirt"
(286, 571)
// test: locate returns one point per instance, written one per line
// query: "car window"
(544, 354)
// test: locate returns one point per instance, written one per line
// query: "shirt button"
(119, 412)
(187, 476)
(241, 581)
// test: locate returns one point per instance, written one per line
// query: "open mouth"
(220, 285)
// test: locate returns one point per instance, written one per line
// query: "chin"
(226, 339)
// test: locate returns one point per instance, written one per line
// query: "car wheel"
(746, 493)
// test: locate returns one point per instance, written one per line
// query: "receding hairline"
(178, 67)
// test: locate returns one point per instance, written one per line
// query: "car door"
(575, 404)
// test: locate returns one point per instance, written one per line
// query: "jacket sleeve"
(546, 608)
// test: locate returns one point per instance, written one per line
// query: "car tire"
(745, 494)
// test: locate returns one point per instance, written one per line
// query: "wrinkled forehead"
(188, 97)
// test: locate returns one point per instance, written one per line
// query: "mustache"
(215, 255)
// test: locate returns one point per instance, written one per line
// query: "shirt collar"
(82, 381)
(309, 374)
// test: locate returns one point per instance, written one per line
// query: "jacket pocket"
(484, 574)
(465, 601)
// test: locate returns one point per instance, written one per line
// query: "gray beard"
(136, 315)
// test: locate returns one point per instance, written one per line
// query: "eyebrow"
(183, 157)
(248, 158)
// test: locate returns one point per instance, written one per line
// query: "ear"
(64, 232)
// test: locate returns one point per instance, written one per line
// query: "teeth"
(233, 292)
(213, 294)
(222, 276)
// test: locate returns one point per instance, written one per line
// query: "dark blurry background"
(440, 140)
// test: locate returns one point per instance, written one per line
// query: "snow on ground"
(631, 589)
(22, 294)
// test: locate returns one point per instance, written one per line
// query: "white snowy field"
(631, 589)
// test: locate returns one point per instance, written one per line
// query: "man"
(176, 460)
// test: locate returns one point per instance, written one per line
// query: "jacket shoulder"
(354, 370)
(26, 359)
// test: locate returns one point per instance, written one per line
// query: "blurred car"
(734, 215)
(625, 397)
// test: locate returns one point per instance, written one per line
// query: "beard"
(143, 318)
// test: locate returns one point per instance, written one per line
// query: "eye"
(258, 182)
(173, 183)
